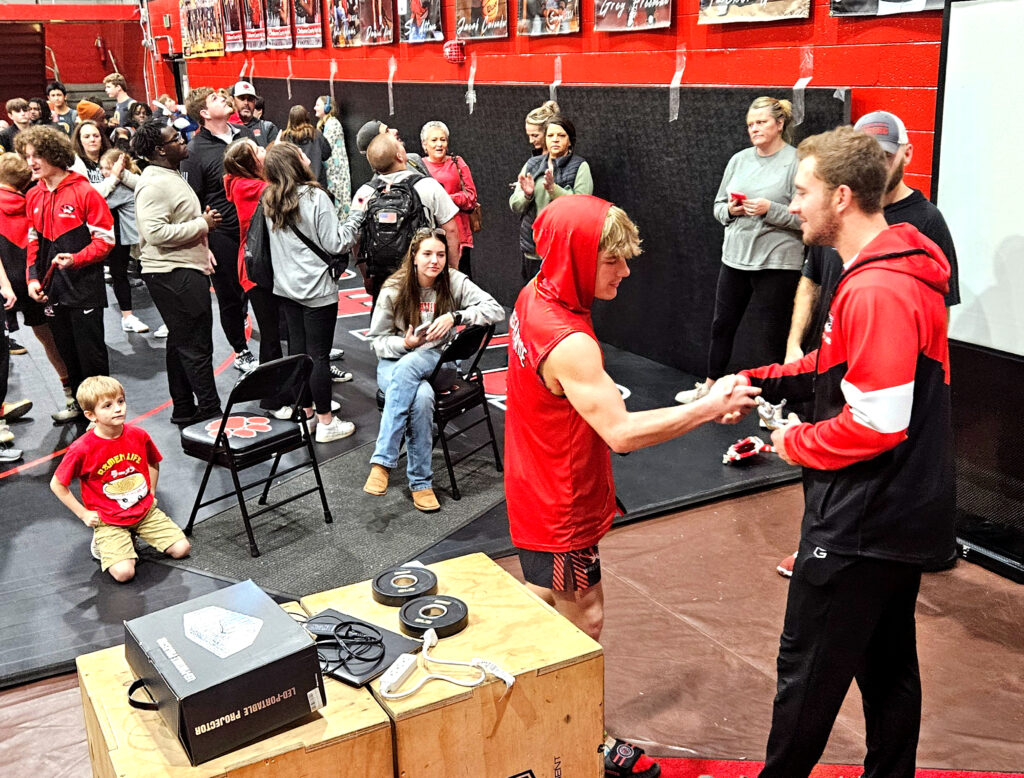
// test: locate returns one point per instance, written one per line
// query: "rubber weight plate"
(447, 616)
(398, 585)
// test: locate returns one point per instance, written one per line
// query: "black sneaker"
(340, 376)
(15, 348)
(245, 362)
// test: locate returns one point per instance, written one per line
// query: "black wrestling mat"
(301, 555)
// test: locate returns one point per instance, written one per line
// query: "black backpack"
(393, 214)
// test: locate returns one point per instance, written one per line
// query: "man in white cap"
(265, 131)
(823, 266)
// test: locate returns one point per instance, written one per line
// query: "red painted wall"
(891, 62)
(78, 58)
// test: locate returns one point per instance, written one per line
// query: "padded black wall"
(664, 174)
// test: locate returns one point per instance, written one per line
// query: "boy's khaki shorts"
(115, 544)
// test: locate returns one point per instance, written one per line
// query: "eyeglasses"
(178, 138)
(427, 232)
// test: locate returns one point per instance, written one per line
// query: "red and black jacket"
(878, 463)
(72, 219)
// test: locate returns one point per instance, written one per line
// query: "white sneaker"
(161, 331)
(94, 549)
(283, 413)
(6, 436)
(336, 430)
(69, 412)
(688, 396)
(9, 454)
(132, 323)
(336, 354)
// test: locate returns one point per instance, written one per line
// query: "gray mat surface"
(301, 555)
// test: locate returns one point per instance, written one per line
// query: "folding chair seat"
(242, 439)
(457, 391)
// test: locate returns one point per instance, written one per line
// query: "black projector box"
(225, 668)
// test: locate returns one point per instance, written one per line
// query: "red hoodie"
(74, 219)
(878, 466)
(558, 470)
(244, 194)
(13, 232)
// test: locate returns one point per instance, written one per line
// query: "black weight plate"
(398, 585)
(447, 616)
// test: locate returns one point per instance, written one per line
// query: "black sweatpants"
(117, 260)
(732, 296)
(78, 335)
(311, 331)
(847, 618)
(5, 360)
(230, 296)
(183, 298)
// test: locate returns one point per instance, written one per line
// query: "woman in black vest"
(557, 172)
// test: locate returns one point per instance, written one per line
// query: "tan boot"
(425, 501)
(377, 481)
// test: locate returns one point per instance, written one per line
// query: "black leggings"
(118, 260)
(732, 296)
(464, 262)
(311, 331)
(267, 308)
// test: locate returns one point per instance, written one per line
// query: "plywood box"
(550, 723)
(350, 736)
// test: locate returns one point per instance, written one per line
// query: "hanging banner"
(233, 36)
(279, 24)
(343, 22)
(202, 28)
(631, 15)
(882, 7)
(419, 21)
(726, 11)
(549, 17)
(376, 21)
(255, 26)
(309, 29)
(481, 18)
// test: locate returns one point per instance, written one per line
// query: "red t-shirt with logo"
(114, 474)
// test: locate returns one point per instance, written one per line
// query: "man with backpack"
(392, 206)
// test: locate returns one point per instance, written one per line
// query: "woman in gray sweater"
(762, 251)
(294, 203)
(416, 316)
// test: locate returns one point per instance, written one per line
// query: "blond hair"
(619, 236)
(14, 171)
(117, 79)
(781, 110)
(845, 156)
(542, 114)
(96, 388)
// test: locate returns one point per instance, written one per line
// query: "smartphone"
(737, 196)
(422, 328)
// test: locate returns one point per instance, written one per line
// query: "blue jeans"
(408, 402)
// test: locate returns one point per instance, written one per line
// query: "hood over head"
(905, 249)
(568, 234)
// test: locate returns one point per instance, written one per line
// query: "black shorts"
(562, 571)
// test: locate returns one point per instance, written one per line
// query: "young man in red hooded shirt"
(565, 415)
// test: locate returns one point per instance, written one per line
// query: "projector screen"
(981, 168)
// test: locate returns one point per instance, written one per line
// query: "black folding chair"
(458, 391)
(240, 440)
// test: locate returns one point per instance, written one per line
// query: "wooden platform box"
(548, 726)
(348, 738)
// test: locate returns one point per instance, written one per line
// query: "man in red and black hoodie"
(878, 467)
(71, 232)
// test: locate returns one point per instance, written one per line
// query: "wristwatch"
(457, 317)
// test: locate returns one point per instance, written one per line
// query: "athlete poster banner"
(726, 11)
(549, 17)
(376, 21)
(309, 28)
(419, 21)
(279, 24)
(255, 25)
(481, 18)
(343, 23)
(631, 15)
(234, 39)
(882, 7)
(202, 28)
